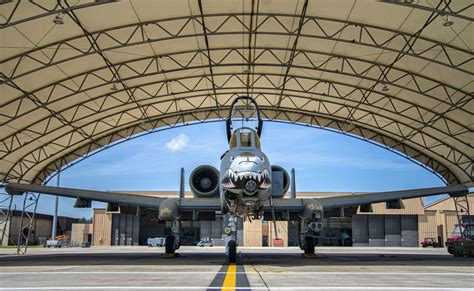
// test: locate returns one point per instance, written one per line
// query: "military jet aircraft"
(247, 185)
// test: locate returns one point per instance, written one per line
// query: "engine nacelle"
(280, 181)
(204, 182)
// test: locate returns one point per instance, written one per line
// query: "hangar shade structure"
(80, 76)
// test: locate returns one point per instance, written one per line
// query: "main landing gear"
(172, 241)
(309, 246)
(308, 231)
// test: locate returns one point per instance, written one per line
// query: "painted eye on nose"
(231, 159)
(262, 158)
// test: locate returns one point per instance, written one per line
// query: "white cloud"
(178, 143)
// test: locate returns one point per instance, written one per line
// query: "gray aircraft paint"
(241, 164)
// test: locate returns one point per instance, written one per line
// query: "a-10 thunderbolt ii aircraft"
(247, 185)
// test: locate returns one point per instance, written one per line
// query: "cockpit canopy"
(244, 137)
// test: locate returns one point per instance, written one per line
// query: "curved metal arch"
(41, 149)
(334, 37)
(131, 133)
(387, 96)
(413, 119)
(335, 97)
(24, 160)
(449, 160)
(32, 161)
(345, 59)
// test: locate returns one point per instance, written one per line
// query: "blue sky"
(324, 161)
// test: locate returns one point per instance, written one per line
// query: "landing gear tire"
(451, 250)
(458, 252)
(170, 247)
(309, 246)
(232, 247)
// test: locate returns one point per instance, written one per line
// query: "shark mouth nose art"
(238, 180)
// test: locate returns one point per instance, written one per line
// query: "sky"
(323, 160)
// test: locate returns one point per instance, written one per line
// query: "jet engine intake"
(204, 182)
(280, 181)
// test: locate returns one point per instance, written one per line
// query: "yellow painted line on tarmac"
(230, 278)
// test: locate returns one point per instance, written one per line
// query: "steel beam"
(27, 221)
(368, 37)
(335, 101)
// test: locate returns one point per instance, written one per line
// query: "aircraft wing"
(213, 204)
(102, 196)
(186, 204)
(368, 198)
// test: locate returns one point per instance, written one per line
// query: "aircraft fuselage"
(245, 174)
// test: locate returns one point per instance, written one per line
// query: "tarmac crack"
(259, 275)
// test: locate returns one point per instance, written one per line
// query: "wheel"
(169, 245)
(457, 253)
(451, 250)
(309, 246)
(232, 247)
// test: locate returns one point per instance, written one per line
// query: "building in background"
(381, 228)
(81, 233)
(441, 217)
(41, 230)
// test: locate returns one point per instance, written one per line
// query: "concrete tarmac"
(130, 268)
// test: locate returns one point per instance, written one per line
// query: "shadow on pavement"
(217, 259)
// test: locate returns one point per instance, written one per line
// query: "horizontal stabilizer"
(82, 203)
(112, 208)
(366, 208)
(394, 204)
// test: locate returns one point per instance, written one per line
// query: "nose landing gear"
(231, 239)
(232, 251)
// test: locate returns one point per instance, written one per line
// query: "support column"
(6, 201)
(30, 203)
(463, 213)
(55, 217)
